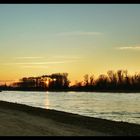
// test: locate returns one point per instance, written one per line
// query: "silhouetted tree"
(112, 82)
(102, 82)
(86, 80)
(92, 80)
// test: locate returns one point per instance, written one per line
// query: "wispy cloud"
(60, 57)
(7, 80)
(28, 57)
(129, 48)
(66, 57)
(79, 33)
(38, 63)
(34, 66)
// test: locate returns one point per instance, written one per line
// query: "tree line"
(56, 81)
(112, 81)
(119, 80)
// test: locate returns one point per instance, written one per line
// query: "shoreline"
(98, 91)
(48, 122)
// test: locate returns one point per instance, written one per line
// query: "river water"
(112, 106)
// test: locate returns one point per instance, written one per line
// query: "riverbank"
(71, 90)
(23, 120)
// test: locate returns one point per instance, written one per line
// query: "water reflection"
(47, 103)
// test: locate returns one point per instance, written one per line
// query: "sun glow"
(47, 83)
(54, 79)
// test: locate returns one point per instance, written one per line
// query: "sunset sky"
(37, 39)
